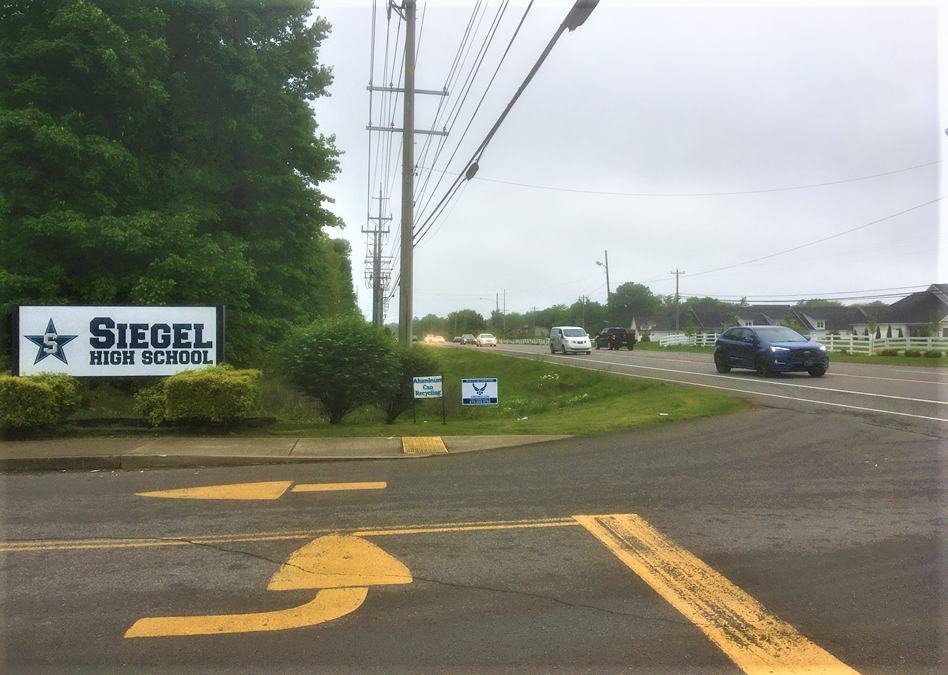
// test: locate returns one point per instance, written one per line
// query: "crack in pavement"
(452, 584)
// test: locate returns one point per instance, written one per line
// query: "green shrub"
(913, 353)
(150, 402)
(888, 352)
(416, 361)
(37, 401)
(26, 403)
(343, 362)
(933, 354)
(213, 394)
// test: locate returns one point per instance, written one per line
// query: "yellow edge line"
(17, 547)
(757, 641)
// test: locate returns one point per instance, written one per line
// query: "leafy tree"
(790, 321)
(689, 328)
(164, 152)
(419, 360)
(630, 300)
(557, 315)
(732, 319)
(430, 325)
(343, 362)
(934, 323)
(817, 302)
(466, 321)
(872, 323)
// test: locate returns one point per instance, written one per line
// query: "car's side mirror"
(749, 341)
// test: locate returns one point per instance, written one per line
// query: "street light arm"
(579, 13)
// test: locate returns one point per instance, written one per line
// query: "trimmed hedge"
(214, 394)
(37, 401)
(933, 354)
(913, 353)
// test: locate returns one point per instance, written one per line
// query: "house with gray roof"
(656, 327)
(818, 322)
(912, 315)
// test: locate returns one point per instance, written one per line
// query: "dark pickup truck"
(615, 338)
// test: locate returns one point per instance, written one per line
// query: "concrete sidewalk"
(139, 453)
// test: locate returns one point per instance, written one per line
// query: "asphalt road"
(906, 395)
(832, 519)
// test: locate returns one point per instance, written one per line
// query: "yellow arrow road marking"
(327, 605)
(335, 561)
(273, 490)
(246, 491)
(758, 642)
(341, 566)
(323, 487)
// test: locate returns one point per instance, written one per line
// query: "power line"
(703, 194)
(818, 241)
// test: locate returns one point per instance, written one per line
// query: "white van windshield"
(574, 332)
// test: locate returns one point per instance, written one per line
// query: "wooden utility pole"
(406, 271)
(677, 274)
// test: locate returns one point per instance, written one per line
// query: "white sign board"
(480, 391)
(428, 387)
(116, 341)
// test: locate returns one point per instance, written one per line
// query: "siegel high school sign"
(116, 341)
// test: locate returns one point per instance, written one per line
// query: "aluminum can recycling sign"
(428, 387)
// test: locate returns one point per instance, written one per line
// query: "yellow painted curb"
(423, 444)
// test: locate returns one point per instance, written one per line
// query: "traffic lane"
(473, 604)
(819, 517)
(884, 396)
(930, 382)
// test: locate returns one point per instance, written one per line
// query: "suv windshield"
(779, 334)
(574, 332)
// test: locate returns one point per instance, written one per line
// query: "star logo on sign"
(51, 343)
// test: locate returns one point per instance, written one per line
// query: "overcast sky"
(768, 152)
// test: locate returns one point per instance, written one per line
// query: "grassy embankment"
(534, 398)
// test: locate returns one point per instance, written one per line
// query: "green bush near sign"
(38, 401)
(343, 362)
(219, 394)
(418, 360)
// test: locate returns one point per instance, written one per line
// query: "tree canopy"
(164, 152)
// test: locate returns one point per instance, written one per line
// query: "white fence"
(696, 340)
(854, 344)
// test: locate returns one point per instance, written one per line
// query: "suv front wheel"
(721, 363)
(762, 367)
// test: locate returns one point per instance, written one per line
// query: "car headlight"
(774, 348)
(822, 348)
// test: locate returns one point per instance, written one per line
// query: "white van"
(569, 340)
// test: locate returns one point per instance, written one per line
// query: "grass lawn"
(534, 398)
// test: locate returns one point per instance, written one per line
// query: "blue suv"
(769, 350)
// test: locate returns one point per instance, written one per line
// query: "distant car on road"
(569, 340)
(615, 337)
(769, 350)
(458, 339)
(439, 339)
(485, 340)
(467, 339)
